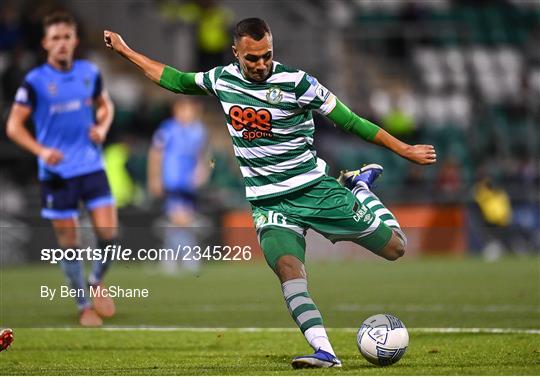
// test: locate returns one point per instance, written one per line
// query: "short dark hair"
(251, 27)
(58, 17)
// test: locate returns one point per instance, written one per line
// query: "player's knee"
(107, 233)
(67, 239)
(395, 248)
(289, 267)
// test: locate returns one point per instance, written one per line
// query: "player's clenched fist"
(114, 41)
(97, 134)
(51, 156)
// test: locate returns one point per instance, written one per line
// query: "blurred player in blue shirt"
(177, 167)
(72, 114)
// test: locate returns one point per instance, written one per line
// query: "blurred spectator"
(496, 212)
(177, 167)
(21, 61)
(449, 180)
(213, 22)
(10, 27)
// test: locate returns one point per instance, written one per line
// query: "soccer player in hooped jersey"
(268, 108)
(72, 114)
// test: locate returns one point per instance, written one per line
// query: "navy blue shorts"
(60, 197)
(179, 200)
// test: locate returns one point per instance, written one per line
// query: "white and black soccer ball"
(382, 339)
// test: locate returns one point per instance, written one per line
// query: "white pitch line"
(443, 330)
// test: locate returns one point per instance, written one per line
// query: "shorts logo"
(50, 201)
(274, 95)
(255, 123)
(260, 221)
(273, 218)
(362, 214)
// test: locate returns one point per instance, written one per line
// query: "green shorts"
(326, 207)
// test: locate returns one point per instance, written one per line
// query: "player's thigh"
(284, 251)
(105, 221)
(66, 231)
(344, 218)
(96, 194)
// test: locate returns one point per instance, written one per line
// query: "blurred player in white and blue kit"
(177, 168)
(72, 114)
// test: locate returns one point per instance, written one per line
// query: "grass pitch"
(431, 293)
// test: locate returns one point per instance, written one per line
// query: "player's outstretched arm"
(17, 132)
(163, 75)
(342, 116)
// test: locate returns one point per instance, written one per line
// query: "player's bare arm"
(155, 179)
(104, 117)
(349, 121)
(151, 68)
(17, 131)
(420, 154)
(163, 75)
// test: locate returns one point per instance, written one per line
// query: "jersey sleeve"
(180, 82)
(26, 95)
(312, 95)
(98, 86)
(207, 80)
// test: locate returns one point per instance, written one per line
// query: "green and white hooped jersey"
(271, 126)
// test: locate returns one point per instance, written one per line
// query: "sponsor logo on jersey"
(254, 124)
(312, 80)
(322, 93)
(274, 95)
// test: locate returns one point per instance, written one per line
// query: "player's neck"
(60, 65)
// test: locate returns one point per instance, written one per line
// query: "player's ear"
(235, 51)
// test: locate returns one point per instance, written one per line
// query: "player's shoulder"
(287, 73)
(86, 65)
(231, 69)
(166, 125)
(35, 74)
(282, 68)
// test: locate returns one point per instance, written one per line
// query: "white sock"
(317, 338)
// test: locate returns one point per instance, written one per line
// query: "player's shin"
(73, 270)
(100, 266)
(305, 314)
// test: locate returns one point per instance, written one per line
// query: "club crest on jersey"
(274, 95)
(52, 88)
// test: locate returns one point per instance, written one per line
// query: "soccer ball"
(382, 339)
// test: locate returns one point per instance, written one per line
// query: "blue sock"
(98, 268)
(73, 270)
(181, 236)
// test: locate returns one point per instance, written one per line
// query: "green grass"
(95, 352)
(441, 293)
